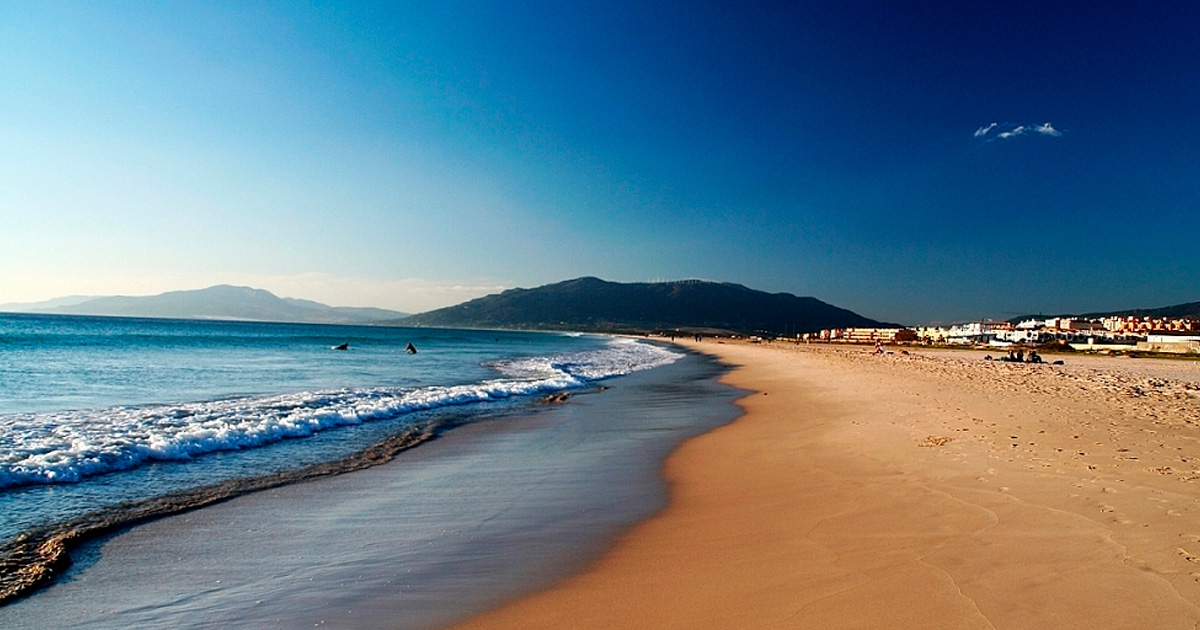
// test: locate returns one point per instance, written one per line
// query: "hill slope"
(591, 304)
(1189, 309)
(220, 302)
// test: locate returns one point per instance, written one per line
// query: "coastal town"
(1173, 335)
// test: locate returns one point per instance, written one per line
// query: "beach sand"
(920, 490)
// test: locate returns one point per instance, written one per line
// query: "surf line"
(38, 556)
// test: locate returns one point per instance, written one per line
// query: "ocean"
(100, 417)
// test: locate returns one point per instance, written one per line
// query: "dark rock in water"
(344, 346)
(556, 399)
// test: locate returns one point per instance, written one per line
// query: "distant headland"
(583, 304)
(683, 306)
(590, 304)
(222, 301)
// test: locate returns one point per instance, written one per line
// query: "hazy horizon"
(66, 301)
(922, 164)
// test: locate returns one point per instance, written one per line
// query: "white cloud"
(1048, 130)
(983, 131)
(1007, 131)
(1016, 131)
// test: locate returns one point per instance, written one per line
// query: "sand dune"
(920, 490)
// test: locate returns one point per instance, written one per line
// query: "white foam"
(69, 446)
(621, 356)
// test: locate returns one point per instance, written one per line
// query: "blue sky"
(413, 155)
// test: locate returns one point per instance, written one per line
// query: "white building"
(976, 332)
(1182, 343)
(1165, 337)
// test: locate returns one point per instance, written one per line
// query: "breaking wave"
(68, 446)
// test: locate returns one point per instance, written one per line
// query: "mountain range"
(1189, 309)
(592, 304)
(582, 304)
(217, 302)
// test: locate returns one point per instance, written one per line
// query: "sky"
(918, 163)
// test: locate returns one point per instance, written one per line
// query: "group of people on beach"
(1018, 356)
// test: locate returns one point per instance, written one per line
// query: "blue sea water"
(98, 411)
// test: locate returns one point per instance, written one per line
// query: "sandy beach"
(919, 490)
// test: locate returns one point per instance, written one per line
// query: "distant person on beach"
(878, 347)
(411, 349)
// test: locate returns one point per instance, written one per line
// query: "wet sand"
(39, 556)
(927, 490)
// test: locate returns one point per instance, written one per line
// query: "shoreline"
(913, 491)
(37, 544)
(487, 512)
(38, 557)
